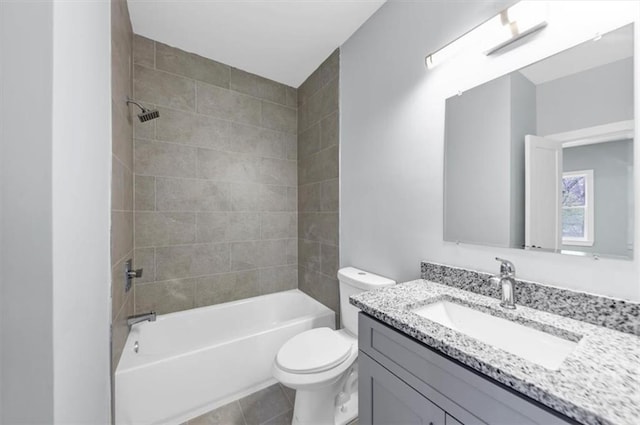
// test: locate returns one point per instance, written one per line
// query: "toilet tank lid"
(362, 279)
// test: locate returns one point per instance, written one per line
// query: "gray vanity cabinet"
(392, 400)
(401, 381)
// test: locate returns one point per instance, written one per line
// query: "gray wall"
(26, 336)
(564, 104)
(121, 174)
(610, 163)
(318, 183)
(215, 182)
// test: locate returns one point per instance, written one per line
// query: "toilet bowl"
(320, 364)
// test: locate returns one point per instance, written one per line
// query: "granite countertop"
(599, 383)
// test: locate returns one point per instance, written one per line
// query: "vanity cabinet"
(402, 381)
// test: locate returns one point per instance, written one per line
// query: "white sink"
(531, 344)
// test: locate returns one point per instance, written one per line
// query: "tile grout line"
(195, 80)
(217, 150)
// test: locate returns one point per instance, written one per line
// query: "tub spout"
(144, 317)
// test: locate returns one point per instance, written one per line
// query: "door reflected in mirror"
(542, 158)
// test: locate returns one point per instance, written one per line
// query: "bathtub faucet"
(144, 317)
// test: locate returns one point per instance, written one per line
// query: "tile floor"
(270, 406)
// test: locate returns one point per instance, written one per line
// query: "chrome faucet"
(506, 280)
(144, 317)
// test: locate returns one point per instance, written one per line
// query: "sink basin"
(531, 344)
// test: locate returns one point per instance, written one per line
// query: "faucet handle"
(507, 269)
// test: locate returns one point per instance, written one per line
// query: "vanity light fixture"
(510, 25)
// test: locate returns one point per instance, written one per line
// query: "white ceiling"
(283, 40)
(614, 46)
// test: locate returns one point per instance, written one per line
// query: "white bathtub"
(194, 361)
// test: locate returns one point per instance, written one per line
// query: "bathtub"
(194, 361)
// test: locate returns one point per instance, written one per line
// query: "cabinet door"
(386, 400)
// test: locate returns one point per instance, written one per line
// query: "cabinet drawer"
(464, 394)
(384, 399)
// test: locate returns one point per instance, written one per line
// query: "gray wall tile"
(143, 51)
(145, 193)
(164, 89)
(228, 166)
(121, 234)
(243, 226)
(309, 141)
(319, 226)
(122, 147)
(309, 197)
(318, 190)
(278, 198)
(309, 254)
(291, 97)
(320, 287)
(278, 117)
(164, 159)
(275, 279)
(191, 65)
(278, 171)
(257, 86)
(328, 70)
(121, 185)
(258, 141)
(329, 131)
(245, 196)
(233, 226)
(192, 195)
(193, 129)
(164, 228)
(227, 104)
(329, 261)
(292, 251)
(143, 130)
(279, 225)
(320, 166)
(145, 258)
(330, 196)
(216, 193)
(191, 260)
(226, 287)
(256, 254)
(165, 297)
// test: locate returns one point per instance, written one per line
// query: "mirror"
(542, 158)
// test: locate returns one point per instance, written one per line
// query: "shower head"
(145, 114)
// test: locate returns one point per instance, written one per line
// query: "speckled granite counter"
(599, 383)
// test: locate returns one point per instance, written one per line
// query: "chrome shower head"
(145, 114)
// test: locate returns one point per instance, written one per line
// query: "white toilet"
(320, 364)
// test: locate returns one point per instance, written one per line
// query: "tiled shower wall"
(318, 138)
(215, 182)
(121, 174)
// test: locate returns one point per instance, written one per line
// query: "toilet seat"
(313, 351)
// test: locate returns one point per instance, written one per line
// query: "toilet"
(320, 364)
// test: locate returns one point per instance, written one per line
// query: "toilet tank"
(353, 281)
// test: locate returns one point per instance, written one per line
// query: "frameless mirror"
(542, 158)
